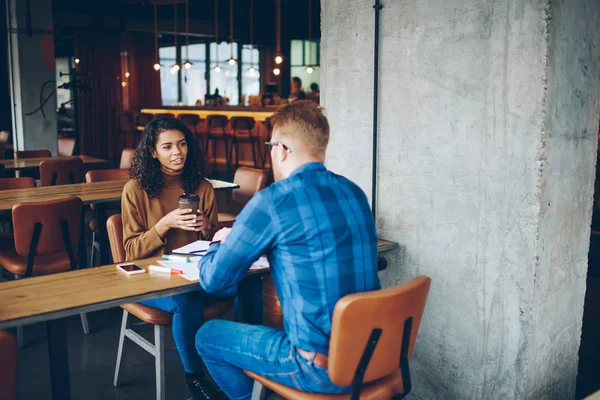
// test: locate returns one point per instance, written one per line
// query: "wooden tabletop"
(30, 300)
(89, 193)
(32, 163)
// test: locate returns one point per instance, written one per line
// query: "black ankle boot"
(201, 388)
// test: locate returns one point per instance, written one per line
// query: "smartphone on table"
(130, 268)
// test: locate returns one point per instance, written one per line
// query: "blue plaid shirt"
(318, 233)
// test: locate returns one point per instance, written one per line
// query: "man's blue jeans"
(228, 347)
(188, 315)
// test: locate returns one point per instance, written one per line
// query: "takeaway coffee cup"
(189, 200)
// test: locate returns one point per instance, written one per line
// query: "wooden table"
(98, 193)
(52, 298)
(34, 163)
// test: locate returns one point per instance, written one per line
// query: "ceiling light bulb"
(276, 71)
(278, 60)
(217, 69)
(309, 70)
(127, 74)
(187, 64)
(175, 68)
(123, 84)
(251, 71)
(157, 66)
(77, 61)
(232, 61)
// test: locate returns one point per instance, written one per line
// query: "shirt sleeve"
(139, 242)
(251, 236)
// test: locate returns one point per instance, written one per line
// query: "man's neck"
(300, 163)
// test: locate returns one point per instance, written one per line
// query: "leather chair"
(251, 181)
(23, 154)
(125, 129)
(66, 146)
(141, 120)
(103, 175)
(10, 184)
(61, 172)
(242, 131)
(216, 131)
(370, 332)
(192, 121)
(46, 236)
(160, 319)
(126, 158)
(8, 366)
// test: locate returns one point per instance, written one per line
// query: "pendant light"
(175, 67)
(187, 63)
(309, 68)
(217, 67)
(251, 70)
(232, 61)
(156, 57)
(278, 56)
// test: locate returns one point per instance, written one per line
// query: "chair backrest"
(242, 125)
(17, 183)
(114, 226)
(356, 316)
(216, 124)
(5, 136)
(164, 115)
(251, 181)
(8, 366)
(124, 122)
(61, 172)
(126, 158)
(66, 146)
(142, 119)
(191, 120)
(49, 215)
(19, 155)
(103, 175)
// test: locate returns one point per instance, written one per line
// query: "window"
(250, 72)
(303, 54)
(193, 80)
(63, 96)
(168, 80)
(226, 79)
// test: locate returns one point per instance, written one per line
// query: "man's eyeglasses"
(278, 144)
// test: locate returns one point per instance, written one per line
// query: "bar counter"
(258, 113)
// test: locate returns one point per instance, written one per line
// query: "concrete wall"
(488, 121)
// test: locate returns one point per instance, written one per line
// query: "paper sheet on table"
(190, 270)
(197, 247)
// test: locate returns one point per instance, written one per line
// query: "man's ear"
(282, 154)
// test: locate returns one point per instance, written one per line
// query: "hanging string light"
(156, 57)
(187, 63)
(309, 68)
(175, 67)
(251, 70)
(217, 67)
(232, 60)
(278, 56)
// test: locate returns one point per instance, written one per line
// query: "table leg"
(102, 233)
(59, 359)
(249, 301)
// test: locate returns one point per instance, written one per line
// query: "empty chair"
(8, 366)
(125, 130)
(216, 131)
(66, 146)
(103, 175)
(153, 316)
(126, 158)
(242, 131)
(251, 181)
(9, 184)
(46, 234)
(141, 120)
(370, 332)
(20, 155)
(191, 120)
(61, 172)
(2, 150)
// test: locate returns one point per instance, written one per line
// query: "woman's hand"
(179, 219)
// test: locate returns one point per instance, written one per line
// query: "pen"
(175, 257)
(165, 270)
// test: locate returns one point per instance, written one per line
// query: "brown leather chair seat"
(383, 389)
(150, 315)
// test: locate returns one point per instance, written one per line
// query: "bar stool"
(216, 131)
(164, 115)
(191, 120)
(61, 172)
(46, 234)
(265, 154)
(141, 120)
(125, 130)
(251, 181)
(241, 132)
(8, 366)
(370, 332)
(160, 319)
(126, 158)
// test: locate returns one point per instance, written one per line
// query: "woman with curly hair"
(168, 162)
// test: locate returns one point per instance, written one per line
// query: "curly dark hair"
(146, 169)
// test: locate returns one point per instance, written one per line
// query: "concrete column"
(32, 74)
(486, 162)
